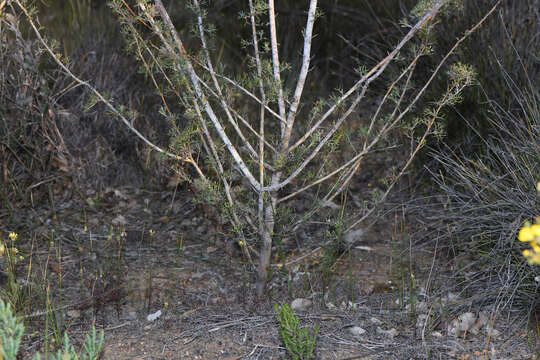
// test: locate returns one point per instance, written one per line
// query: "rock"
(464, 322)
(356, 330)
(354, 236)
(154, 316)
(482, 321)
(131, 315)
(74, 313)
(392, 333)
(301, 304)
(375, 321)
(119, 220)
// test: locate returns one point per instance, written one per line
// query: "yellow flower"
(526, 253)
(526, 234)
(13, 236)
(241, 243)
(536, 230)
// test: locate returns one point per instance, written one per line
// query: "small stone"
(354, 236)
(154, 316)
(74, 313)
(466, 321)
(392, 333)
(436, 334)
(301, 304)
(483, 318)
(119, 220)
(132, 315)
(375, 321)
(461, 324)
(356, 330)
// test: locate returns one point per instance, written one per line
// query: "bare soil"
(134, 253)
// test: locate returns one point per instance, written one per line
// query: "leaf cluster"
(299, 343)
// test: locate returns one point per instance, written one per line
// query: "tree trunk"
(266, 232)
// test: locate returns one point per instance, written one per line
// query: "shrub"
(12, 330)
(486, 197)
(299, 343)
(245, 141)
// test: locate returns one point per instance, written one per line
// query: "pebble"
(357, 330)
(301, 304)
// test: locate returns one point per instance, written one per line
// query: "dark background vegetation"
(469, 194)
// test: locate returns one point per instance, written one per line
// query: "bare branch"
(308, 36)
(275, 64)
(200, 95)
(374, 72)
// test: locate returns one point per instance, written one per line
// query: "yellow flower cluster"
(531, 233)
(10, 251)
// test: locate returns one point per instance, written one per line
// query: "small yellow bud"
(2, 250)
(241, 244)
(13, 236)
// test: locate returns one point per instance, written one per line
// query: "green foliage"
(299, 343)
(11, 333)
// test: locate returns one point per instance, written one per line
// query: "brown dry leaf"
(164, 219)
(55, 266)
(174, 180)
